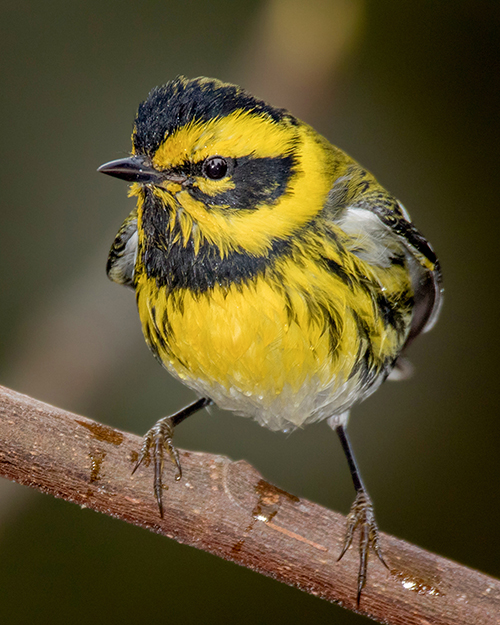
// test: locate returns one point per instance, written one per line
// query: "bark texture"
(228, 509)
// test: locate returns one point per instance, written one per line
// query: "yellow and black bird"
(273, 274)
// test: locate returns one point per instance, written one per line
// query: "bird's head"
(213, 165)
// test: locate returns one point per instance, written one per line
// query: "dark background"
(410, 89)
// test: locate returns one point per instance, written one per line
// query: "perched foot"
(158, 439)
(361, 514)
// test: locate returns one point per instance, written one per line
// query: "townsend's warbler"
(273, 274)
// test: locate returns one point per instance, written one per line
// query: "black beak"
(132, 169)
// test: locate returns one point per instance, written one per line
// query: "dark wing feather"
(366, 194)
(427, 279)
(121, 260)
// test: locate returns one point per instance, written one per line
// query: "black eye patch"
(256, 181)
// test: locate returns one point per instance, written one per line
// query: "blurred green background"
(411, 90)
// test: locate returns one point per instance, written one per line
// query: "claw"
(146, 444)
(156, 440)
(361, 514)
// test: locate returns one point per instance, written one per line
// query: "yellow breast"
(281, 351)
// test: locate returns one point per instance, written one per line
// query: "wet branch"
(228, 509)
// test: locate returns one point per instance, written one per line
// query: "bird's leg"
(361, 515)
(159, 438)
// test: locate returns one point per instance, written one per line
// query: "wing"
(121, 260)
(424, 266)
(376, 218)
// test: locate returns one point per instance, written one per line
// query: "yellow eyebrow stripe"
(242, 133)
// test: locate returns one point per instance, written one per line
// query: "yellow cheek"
(171, 187)
(214, 187)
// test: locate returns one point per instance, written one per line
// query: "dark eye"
(215, 167)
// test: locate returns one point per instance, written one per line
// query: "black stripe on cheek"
(257, 181)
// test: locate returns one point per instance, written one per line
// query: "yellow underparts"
(244, 337)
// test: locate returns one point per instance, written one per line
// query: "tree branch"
(228, 509)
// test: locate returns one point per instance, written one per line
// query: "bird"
(274, 276)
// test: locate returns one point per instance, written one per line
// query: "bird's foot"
(361, 515)
(156, 440)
